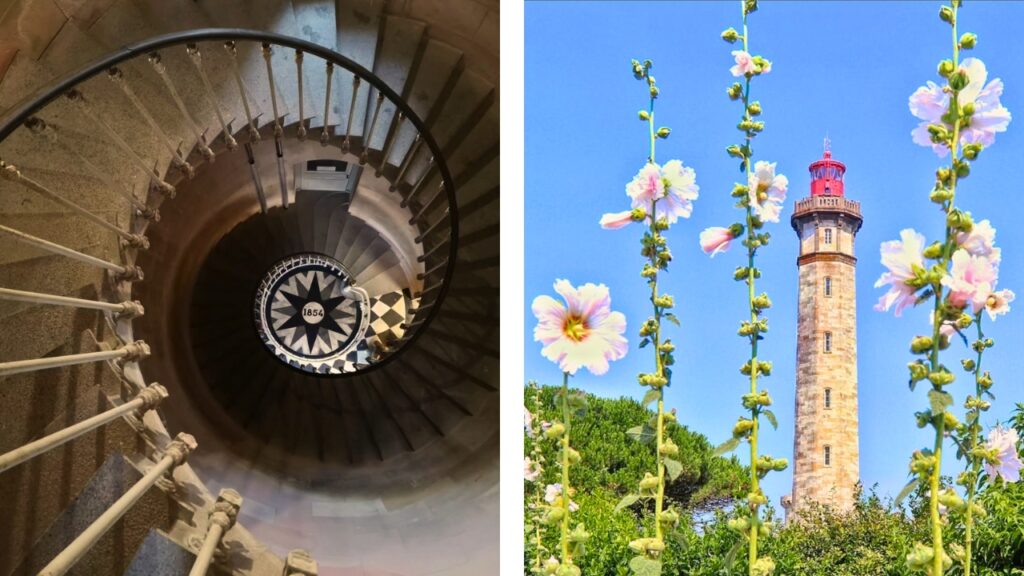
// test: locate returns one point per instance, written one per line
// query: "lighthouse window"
(828, 342)
(828, 235)
(828, 398)
(828, 455)
(828, 286)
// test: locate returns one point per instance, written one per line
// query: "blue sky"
(841, 68)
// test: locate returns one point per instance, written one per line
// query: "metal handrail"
(29, 106)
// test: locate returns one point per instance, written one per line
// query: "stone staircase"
(390, 468)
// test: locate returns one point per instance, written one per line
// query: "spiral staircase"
(249, 287)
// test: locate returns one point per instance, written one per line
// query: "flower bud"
(669, 448)
(554, 516)
(663, 132)
(644, 115)
(735, 151)
(985, 381)
(667, 347)
(918, 371)
(922, 419)
(968, 364)
(763, 566)
(971, 151)
(742, 428)
(946, 68)
(648, 482)
(574, 456)
(959, 220)
(555, 431)
(551, 565)
(939, 133)
(941, 378)
(940, 194)
(740, 525)
(963, 169)
(966, 110)
(968, 40)
(946, 14)
(762, 302)
(959, 80)
(964, 321)
(754, 109)
(734, 91)
(730, 35)
(654, 91)
(921, 344)
(664, 301)
(669, 518)
(933, 251)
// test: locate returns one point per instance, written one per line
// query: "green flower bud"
(667, 347)
(669, 518)
(663, 132)
(654, 91)
(555, 431)
(741, 525)
(938, 132)
(755, 499)
(968, 364)
(959, 220)
(940, 194)
(554, 516)
(941, 378)
(921, 344)
(933, 251)
(918, 371)
(551, 565)
(644, 115)
(968, 40)
(648, 482)
(763, 566)
(735, 151)
(730, 35)
(985, 381)
(735, 91)
(568, 570)
(959, 80)
(922, 555)
(742, 428)
(966, 110)
(762, 302)
(669, 448)
(670, 416)
(971, 151)
(638, 214)
(944, 175)
(574, 456)
(946, 68)
(963, 169)
(664, 301)
(649, 271)
(923, 418)
(946, 14)
(754, 109)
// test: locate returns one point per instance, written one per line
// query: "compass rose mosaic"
(309, 315)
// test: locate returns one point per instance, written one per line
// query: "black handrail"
(27, 107)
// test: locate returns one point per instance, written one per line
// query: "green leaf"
(644, 434)
(673, 467)
(645, 342)
(644, 566)
(727, 446)
(939, 400)
(627, 501)
(730, 557)
(771, 418)
(671, 318)
(907, 490)
(651, 396)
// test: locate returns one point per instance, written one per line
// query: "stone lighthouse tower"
(825, 448)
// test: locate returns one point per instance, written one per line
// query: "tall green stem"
(566, 416)
(751, 251)
(974, 429)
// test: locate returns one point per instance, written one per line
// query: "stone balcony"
(839, 204)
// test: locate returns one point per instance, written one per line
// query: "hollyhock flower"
(528, 422)
(998, 303)
(929, 103)
(1008, 465)
(531, 469)
(616, 220)
(767, 191)
(900, 257)
(553, 492)
(971, 280)
(980, 241)
(673, 185)
(584, 332)
(715, 239)
(744, 63)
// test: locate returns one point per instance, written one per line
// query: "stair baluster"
(254, 134)
(127, 272)
(364, 156)
(197, 60)
(125, 310)
(325, 133)
(190, 122)
(347, 143)
(222, 518)
(130, 352)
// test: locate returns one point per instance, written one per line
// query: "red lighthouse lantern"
(827, 175)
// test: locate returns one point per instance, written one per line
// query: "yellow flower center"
(575, 328)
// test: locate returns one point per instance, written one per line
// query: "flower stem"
(974, 429)
(751, 252)
(566, 416)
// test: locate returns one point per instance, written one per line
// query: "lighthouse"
(826, 449)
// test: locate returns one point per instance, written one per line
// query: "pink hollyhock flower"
(715, 239)
(528, 422)
(901, 257)
(531, 470)
(584, 332)
(673, 185)
(998, 303)
(767, 191)
(971, 280)
(616, 220)
(553, 491)
(744, 63)
(1008, 465)
(980, 241)
(929, 103)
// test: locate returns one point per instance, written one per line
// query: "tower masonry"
(826, 447)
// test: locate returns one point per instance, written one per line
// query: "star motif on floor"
(312, 315)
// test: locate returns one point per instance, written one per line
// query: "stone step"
(160, 556)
